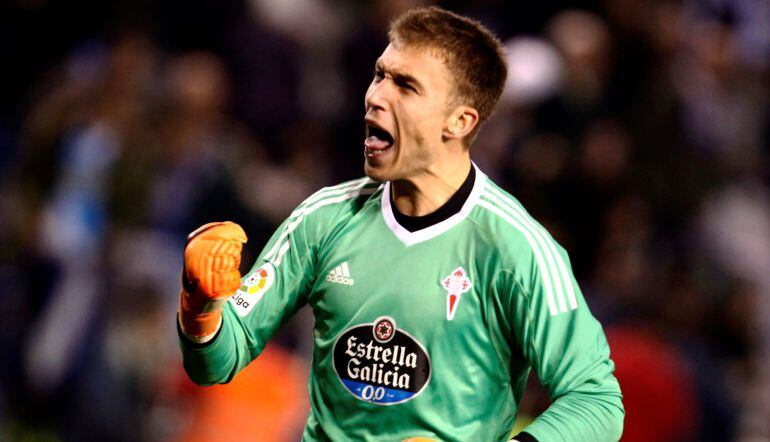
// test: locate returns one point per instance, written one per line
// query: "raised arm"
(251, 310)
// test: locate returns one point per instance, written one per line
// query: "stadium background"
(637, 131)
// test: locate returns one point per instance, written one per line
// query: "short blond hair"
(472, 53)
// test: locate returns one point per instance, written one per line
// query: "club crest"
(455, 284)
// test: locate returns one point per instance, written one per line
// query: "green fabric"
(342, 253)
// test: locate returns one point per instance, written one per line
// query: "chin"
(381, 172)
(375, 173)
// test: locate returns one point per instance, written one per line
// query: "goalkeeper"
(435, 294)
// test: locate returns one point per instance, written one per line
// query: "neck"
(423, 194)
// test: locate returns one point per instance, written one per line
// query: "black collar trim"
(455, 203)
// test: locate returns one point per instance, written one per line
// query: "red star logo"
(384, 330)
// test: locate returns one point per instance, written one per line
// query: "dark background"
(636, 131)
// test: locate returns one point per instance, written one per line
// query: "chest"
(392, 320)
(429, 287)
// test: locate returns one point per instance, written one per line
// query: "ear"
(460, 122)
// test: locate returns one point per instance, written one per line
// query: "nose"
(376, 95)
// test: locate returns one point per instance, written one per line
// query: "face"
(407, 105)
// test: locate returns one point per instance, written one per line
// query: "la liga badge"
(253, 289)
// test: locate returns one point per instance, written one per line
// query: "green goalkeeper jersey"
(427, 333)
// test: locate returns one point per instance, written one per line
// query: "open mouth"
(377, 140)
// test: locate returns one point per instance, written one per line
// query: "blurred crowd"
(637, 131)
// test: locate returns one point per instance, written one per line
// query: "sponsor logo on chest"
(378, 363)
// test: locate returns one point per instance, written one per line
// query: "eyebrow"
(399, 76)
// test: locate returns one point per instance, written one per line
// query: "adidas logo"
(340, 275)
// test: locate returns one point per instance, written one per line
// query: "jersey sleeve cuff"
(191, 344)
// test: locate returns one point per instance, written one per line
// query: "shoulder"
(514, 230)
(334, 204)
(521, 240)
(527, 251)
(341, 195)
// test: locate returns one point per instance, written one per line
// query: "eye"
(404, 84)
(379, 74)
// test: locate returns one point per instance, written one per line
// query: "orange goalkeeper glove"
(210, 276)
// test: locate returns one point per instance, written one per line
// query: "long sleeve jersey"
(428, 333)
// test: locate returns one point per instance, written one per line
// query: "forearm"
(580, 416)
(218, 360)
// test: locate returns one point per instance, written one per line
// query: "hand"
(210, 276)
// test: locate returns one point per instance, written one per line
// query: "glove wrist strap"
(199, 325)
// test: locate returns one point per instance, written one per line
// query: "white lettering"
(351, 343)
(353, 371)
(367, 392)
(340, 279)
(411, 360)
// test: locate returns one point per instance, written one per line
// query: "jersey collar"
(418, 236)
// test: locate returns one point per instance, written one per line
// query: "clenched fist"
(210, 276)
